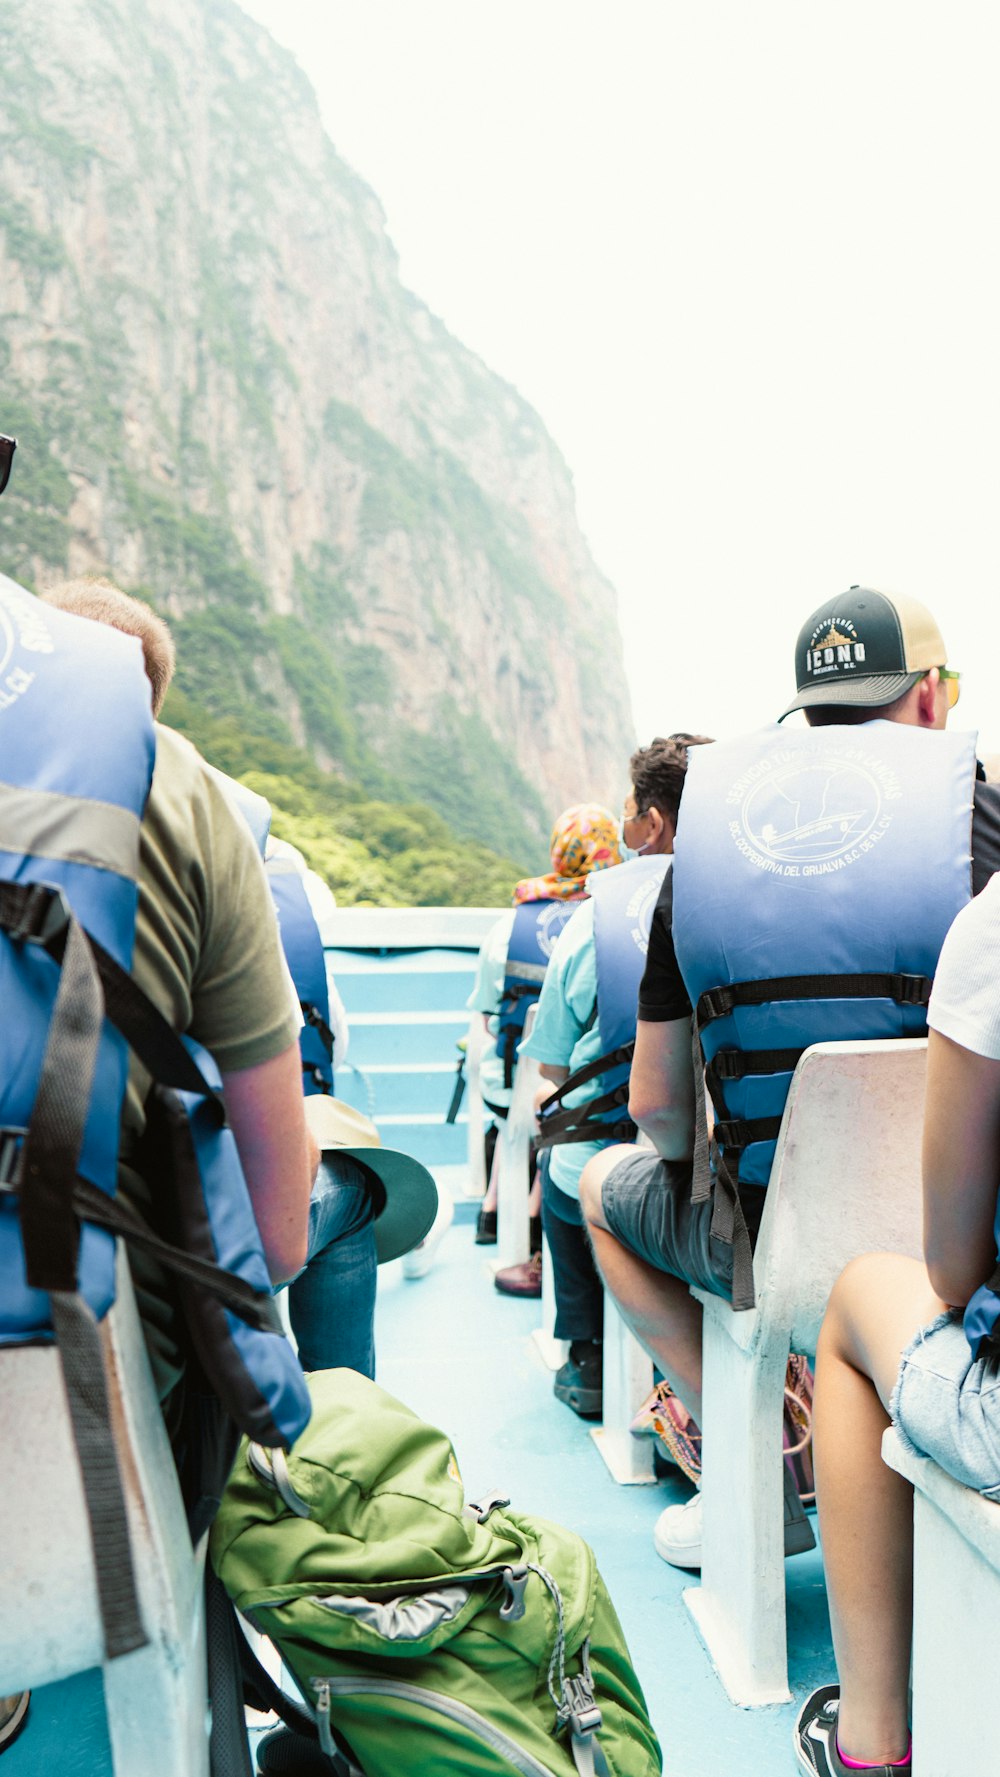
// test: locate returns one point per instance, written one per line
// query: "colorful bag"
(426, 1634)
(663, 1416)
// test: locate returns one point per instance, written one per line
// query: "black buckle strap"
(718, 1002)
(582, 1076)
(739, 1132)
(11, 1150)
(34, 913)
(742, 1064)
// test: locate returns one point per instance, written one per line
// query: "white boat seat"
(156, 1697)
(956, 1613)
(845, 1181)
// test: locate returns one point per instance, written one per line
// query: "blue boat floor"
(462, 1356)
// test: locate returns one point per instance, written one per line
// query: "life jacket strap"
(718, 1002)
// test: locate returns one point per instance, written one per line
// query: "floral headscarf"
(584, 838)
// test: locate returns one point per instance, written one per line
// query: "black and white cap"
(864, 648)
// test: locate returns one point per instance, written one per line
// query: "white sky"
(742, 258)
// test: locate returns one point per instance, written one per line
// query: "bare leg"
(658, 1308)
(865, 1508)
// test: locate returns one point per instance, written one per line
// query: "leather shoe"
(521, 1280)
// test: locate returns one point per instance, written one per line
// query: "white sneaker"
(418, 1261)
(677, 1532)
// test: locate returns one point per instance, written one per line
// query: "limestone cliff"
(224, 394)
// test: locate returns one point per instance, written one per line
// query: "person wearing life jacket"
(917, 1343)
(582, 1038)
(514, 956)
(207, 955)
(829, 859)
(151, 862)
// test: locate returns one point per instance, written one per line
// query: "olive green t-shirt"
(208, 954)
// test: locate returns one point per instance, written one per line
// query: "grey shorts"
(946, 1407)
(647, 1207)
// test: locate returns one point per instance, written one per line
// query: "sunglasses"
(7, 448)
(952, 683)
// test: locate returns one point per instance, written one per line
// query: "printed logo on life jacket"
(22, 627)
(834, 647)
(639, 912)
(809, 817)
(550, 924)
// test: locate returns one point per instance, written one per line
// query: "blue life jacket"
(76, 761)
(536, 927)
(816, 873)
(624, 899)
(303, 947)
(77, 749)
(253, 809)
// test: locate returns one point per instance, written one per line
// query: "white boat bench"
(845, 1181)
(956, 1614)
(156, 1697)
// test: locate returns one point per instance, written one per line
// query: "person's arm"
(961, 1167)
(264, 1105)
(661, 1086)
(553, 1076)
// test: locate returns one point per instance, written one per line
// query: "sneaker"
(677, 1532)
(521, 1280)
(13, 1715)
(418, 1261)
(814, 1738)
(580, 1381)
(291, 1755)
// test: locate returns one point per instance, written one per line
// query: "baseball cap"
(864, 648)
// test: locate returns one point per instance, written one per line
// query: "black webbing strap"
(458, 1091)
(228, 1746)
(582, 1076)
(81, 1355)
(588, 1130)
(51, 1154)
(718, 1002)
(738, 1132)
(256, 1307)
(744, 1064)
(314, 1018)
(701, 1168)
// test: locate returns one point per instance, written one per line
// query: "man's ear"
(927, 699)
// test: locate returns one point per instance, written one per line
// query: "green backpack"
(426, 1634)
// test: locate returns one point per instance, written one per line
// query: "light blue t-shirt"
(485, 997)
(566, 1032)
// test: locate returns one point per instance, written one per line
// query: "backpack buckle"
(515, 1579)
(582, 1712)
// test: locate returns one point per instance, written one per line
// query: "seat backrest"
(55, 1627)
(845, 1178)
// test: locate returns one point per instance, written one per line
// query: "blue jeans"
(331, 1303)
(578, 1290)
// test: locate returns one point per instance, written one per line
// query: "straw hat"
(406, 1197)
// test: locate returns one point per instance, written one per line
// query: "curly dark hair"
(657, 772)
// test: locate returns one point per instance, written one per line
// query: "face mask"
(627, 854)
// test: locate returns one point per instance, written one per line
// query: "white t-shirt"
(965, 999)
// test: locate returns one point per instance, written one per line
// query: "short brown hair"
(657, 772)
(104, 602)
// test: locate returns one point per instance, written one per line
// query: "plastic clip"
(582, 1712)
(515, 1579)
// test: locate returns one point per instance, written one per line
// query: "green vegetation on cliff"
(372, 852)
